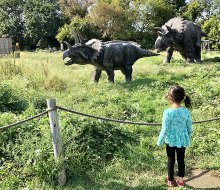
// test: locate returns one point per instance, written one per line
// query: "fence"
(5, 46)
(55, 131)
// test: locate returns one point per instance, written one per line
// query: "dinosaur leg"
(96, 75)
(198, 54)
(111, 75)
(123, 72)
(169, 55)
(128, 73)
(190, 52)
(183, 54)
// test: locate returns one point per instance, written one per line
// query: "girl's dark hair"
(177, 94)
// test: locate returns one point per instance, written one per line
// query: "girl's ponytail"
(187, 102)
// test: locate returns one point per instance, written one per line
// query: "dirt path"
(204, 179)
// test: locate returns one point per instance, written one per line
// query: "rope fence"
(96, 117)
(126, 122)
(23, 121)
(55, 131)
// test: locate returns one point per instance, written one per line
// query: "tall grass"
(102, 155)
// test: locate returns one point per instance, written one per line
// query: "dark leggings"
(171, 161)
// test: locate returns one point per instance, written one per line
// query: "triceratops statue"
(181, 35)
(107, 56)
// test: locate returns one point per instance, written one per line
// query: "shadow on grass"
(214, 59)
(138, 82)
(114, 185)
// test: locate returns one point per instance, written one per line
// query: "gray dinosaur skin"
(106, 56)
(181, 35)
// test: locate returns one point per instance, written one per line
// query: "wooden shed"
(5, 46)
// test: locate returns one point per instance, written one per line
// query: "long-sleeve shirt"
(176, 127)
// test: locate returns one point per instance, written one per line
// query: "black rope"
(95, 117)
(127, 122)
(25, 120)
(108, 119)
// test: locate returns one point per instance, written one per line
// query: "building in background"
(5, 45)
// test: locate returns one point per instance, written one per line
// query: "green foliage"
(112, 21)
(193, 10)
(9, 69)
(199, 10)
(38, 102)
(93, 144)
(11, 21)
(63, 33)
(55, 83)
(152, 13)
(77, 24)
(212, 27)
(42, 20)
(11, 100)
(31, 23)
(178, 4)
(72, 8)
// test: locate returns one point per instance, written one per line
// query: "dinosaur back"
(177, 23)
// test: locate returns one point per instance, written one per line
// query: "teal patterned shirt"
(176, 127)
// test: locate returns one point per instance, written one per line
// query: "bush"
(11, 100)
(92, 144)
(55, 83)
(39, 102)
(9, 69)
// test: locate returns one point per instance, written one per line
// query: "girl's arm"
(189, 125)
(163, 132)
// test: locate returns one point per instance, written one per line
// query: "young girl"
(176, 133)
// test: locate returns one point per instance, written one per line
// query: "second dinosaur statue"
(181, 35)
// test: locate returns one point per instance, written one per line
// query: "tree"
(111, 20)
(207, 14)
(30, 22)
(178, 4)
(193, 10)
(147, 14)
(201, 9)
(83, 25)
(72, 8)
(212, 27)
(11, 19)
(42, 21)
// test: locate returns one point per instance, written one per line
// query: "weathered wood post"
(56, 140)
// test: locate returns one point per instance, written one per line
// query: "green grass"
(101, 155)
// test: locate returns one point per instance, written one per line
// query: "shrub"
(91, 144)
(9, 69)
(11, 100)
(39, 102)
(55, 83)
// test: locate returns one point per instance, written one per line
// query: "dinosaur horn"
(203, 34)
(77, 40)
(159, 29)
(160, 33)
(68, 45)
(80, 37)
(169, 29)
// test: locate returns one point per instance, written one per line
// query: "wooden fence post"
(55, 131)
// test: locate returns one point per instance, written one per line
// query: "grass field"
(101, 155)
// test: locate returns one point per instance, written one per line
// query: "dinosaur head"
(78, 54)
(165, 38)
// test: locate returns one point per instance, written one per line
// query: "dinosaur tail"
(203, 34)
(149, 53)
